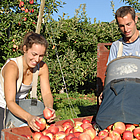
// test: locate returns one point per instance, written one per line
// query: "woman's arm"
(45, 88)
(10, 74)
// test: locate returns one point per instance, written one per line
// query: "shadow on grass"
(87, 110)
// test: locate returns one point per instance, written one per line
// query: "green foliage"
(72, 52)
(134, 3)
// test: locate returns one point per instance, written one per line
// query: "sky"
(99, 9)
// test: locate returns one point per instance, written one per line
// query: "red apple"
(127, 135)
(26, 10)
(136, 132)
(102, 134)
(31, 1)
(22, 8)
(86, 120)
(74, 138)
(119, 127)
(46, 131)
(76, 134)
(129, 127)
(44, 138)
(64, 124)
(84, 136)
(69, 136)
(108, 138)
(51, 135)
(86, 125)
(60, 127)
(60, 135)
(96, 138)
(37, 135)
(110, 127)
(21, 3)
(114, 135)
(78, 129)
(47, 113)
(90, 131)
(53, 129)
(78, 123)
(41, 125)
(69, 130)
(25, 19)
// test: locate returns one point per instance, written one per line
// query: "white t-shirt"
(129, 49)
(22, 93)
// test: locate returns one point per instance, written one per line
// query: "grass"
(68, 107)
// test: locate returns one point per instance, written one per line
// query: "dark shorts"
(121, 104)
(1, 119)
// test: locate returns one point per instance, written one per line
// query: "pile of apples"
(83, 130)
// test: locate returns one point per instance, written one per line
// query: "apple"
(42, 124)
(76, 134)
(86, 125)
(31, 11)
(110, 127)
(60, 135)
(136, 132)
(21, 4)
(90, 131)
(96, 138)
(102, 134)
(43, 137)
(69, 136)
(25, 19)
(31, 1)
(46, 131)
(84, 136)
(129, 127)
(127, 135)
(69, 130)
(114, 135)
(107, 138)
(53, 129)
(78, 129)
(26, 10)
(86, 120)
(119, 127)
(78, 123)
(47, 113)
(60, 127)
(22, 8)
(51, 135)
(74, 138)
(37, 135)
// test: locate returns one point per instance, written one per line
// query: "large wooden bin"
(15, 133)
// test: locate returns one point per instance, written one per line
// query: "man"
(121, 93)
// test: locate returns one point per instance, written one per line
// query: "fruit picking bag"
(121, 102)
(32, 106)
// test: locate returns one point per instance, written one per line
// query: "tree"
(134, 3)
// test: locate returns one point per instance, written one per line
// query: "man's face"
(127, 25)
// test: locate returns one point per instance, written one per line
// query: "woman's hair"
(123, 11)
(33, 38)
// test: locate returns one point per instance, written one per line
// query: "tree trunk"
(39, 21)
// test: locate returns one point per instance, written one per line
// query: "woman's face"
(34, 55)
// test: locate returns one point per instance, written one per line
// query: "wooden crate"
(15, 133)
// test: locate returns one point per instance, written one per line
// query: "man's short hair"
(123, 11)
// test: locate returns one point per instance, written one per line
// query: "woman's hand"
(53, 117)
(31, 122)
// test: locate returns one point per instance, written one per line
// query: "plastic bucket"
(123, 67)
(32, 106)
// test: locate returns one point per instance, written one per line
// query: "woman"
(34, 48)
